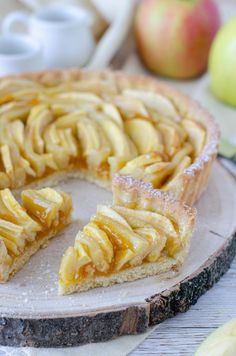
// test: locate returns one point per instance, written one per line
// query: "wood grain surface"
(32, 314)
(182, 335)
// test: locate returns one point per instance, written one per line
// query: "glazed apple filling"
(116, 239)
(42, 214)
(46, 127)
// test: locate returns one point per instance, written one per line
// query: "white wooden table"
(180, 336)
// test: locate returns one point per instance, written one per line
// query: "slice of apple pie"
(143, 234)
(26, 227)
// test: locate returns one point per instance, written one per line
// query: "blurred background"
(190, 44)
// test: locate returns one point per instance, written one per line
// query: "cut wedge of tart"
(96, 124)
(26, 227)
(143, 233)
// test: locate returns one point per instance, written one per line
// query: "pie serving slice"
(143, 233)
(26, 227)
(96, 124)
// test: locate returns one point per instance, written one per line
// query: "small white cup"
(19, 53)
(64, 32)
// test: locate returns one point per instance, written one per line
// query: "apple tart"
(96, 124)
(143, 233)
(26, 227)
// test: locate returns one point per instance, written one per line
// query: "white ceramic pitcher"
(64, 32)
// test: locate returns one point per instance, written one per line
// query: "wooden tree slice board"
(32, 314)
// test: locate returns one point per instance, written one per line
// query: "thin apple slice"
(123, 257)
(171, 138)
(196, 134)
(38, 162)
(95, 146)
(121, 145)
(115, 164)
(138, 218)
(79, 97)
(121, 235)
(4, 180)
(144, 135)
(140, 162)
(38, 119)
(91, 229)
(69, 120)
(111, 213)
(13, 233)
(185, 163)
(111, 111)
(17, 131)
(68, 142)
(69, 267)
(155, 168)
(14, 111)
(157, 242)
(94, 251)
(52, 139)
(43, 204)
(11, 210)
(130, 107)
(155, 102)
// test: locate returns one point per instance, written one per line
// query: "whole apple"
(174, 36)
(222, 63)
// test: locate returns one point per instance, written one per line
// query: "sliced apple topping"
(70, 120)
(138, 218)
(5, 261)
(184, 163)
(23, 226)
(143, 166)
(17, 131)
(130, 107)
(44, 205)
(14, 212)
(14, 111)
(37, 121)
(62, 123)
(70, 265)
(39, 162)
(144, 135)
(111, 111)
(95, 145)
(157, 242)
(171, 138)
(118, 238)
(43, 214)
(13, 165)
(154, 101)
(111, 213)
(196, 134)
(79, 97)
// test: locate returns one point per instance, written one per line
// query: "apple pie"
(143, 233)
(96, 124)
(26, 227)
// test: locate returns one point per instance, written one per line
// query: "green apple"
(222, 342)
(222, 63)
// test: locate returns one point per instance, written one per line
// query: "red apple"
(174, 36)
